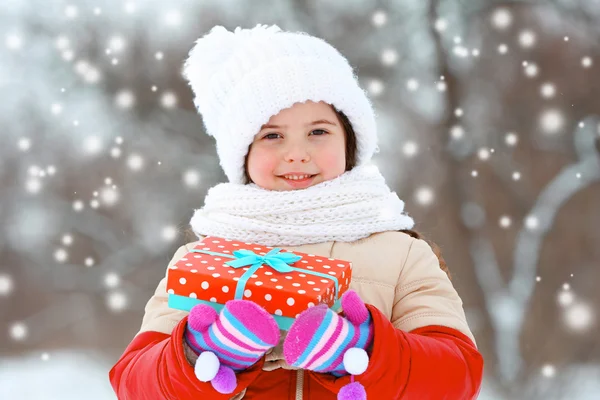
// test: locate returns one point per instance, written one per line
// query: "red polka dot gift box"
(285, 283)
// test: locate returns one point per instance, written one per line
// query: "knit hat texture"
(241, 79)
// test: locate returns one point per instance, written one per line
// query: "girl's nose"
(297, 154)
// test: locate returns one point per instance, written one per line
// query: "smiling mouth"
(299, 183)
(297, 177)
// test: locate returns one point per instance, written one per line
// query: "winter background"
(488, 116)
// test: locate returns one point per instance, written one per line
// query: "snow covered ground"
(71, 375)
(64, 376)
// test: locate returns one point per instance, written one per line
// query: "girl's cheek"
(266, 160)
(333, 158)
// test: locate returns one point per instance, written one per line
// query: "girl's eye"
(271, 136)
(316, 132)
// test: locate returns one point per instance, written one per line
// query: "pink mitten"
(320, 340)
(231, 341)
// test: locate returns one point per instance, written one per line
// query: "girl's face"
(306, 139)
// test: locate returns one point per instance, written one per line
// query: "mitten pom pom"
(356, 361)
(206, 367)
(225, 382)
(352, 391)
(201, 317)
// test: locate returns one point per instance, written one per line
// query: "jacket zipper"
(299, 384)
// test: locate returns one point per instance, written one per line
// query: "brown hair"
(350, 163)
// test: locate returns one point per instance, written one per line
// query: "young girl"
(295, 134)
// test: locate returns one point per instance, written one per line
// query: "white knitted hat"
(241, 79)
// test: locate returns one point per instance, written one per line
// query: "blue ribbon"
(274, 259)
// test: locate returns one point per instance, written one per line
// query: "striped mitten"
(322, 341)
(231, 341)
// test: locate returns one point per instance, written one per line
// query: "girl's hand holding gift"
(228, 342)
(322, 341)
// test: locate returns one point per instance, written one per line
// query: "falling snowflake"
(125, 99)
(441, 25)
(548, 90)
(62, 42)
(389, 57)
(483, 154)
(92, 145)
(527, 39)
(24, 144)
(13, 42)
(461, 51)
(115, 152)
(109, 196)
(71, 11)
(424, 196)
(375, 87)
(116, 301)
(173, 18)
(67, 240)
(412, 84)
(169, 233)
(579, 317)
(511, 139)
(548, 371)
(168, 100)
(410, 148)
(6, 285)
(61, 255)
(551, 121)
(457, 132)
(532, 222)
(565, 298)
(505, 221)
(135, 162)
(18, 331)
(130, 7)
(56, 108)
(379, 18)
(116, 44)
(33, 185)
(112, 280)
(78, 205)
(191, 178)
(586, 62)
(501, 18)
(531, 70)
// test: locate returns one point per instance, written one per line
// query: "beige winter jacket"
(393, 271)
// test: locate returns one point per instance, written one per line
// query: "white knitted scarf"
(352, 206)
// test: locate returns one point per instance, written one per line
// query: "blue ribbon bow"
(276, 260)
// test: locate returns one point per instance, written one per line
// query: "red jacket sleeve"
(432, 362)
(154, 367)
